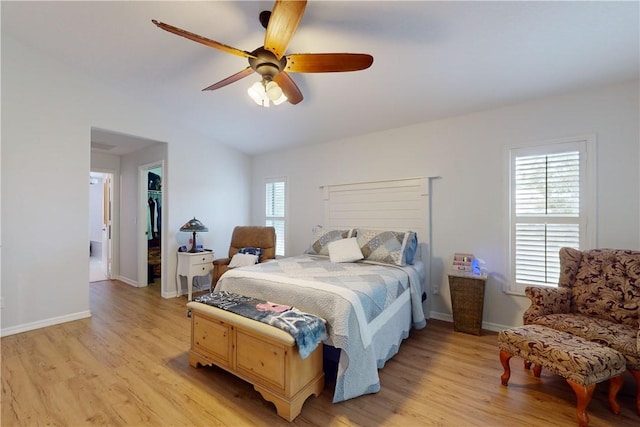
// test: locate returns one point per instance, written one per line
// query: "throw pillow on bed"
(387, 247)
(322, 238)
(345, 250)
(251, 251)
(242, 260)
(412, 247)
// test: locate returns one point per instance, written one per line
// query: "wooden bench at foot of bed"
(260, 354)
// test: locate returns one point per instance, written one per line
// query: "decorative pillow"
(345, 250)
(251, 251)
(387, 247)
(322, 238)
(412, 247)
(242, 260)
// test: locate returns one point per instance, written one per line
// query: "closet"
(154, 224)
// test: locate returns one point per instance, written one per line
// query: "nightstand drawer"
(200, 269)
(203, 258)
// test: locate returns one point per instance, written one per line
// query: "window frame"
(281, 241)
(586, 145)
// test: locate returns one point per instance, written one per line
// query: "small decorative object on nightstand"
(192, 265)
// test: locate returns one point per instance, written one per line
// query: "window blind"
(547, 214)
(275, 211)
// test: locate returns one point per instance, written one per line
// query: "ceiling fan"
(270, 60)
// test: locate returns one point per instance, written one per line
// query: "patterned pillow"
(387, 247)
(322, 238)
(251, 251)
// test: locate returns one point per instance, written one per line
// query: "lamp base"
(193, 246)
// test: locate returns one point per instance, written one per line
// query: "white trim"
(44, 323)
(587, 194)
(127, 281)
(447, 317)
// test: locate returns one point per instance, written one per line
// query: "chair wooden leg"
(615, 384)
(636, 376)
(537, 370)
(504, 359)
(583, 394)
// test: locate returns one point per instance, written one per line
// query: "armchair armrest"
(220, 265)
(221, 261)
(546, 300)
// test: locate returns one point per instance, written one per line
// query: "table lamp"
(193, 225)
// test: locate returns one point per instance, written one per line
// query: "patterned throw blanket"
(308, 330)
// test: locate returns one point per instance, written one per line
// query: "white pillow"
(345, 250)
(242, 260)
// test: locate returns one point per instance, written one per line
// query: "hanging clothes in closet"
(154, 214)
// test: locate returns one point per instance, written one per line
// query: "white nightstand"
(190, 265)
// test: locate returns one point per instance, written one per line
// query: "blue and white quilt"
(357, 300)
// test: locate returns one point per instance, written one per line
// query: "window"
(551, 206)
(275, 210)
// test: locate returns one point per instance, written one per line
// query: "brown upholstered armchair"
(243, 237)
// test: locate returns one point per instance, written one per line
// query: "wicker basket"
(467, 301)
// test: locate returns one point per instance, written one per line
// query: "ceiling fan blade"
(234, 78)
(285, 17)
(327, 62)
(205, 41)
(289, 87)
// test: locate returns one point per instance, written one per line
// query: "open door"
(101, 226)
(107, 215)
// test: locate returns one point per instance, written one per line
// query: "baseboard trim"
(128, 281)
(12, 330)
(495, 327)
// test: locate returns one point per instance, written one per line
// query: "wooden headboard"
(398, 204)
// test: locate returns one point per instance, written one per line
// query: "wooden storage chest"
(260, 354)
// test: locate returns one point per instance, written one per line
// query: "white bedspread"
(356, 299)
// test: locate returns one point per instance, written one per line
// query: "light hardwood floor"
(128, 365)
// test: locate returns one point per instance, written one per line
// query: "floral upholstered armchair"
(597, 298)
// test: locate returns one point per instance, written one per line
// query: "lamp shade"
(194, 226)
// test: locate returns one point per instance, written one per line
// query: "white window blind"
(548, 210)
(275, 210)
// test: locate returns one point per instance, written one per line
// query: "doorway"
(151, 177)
(100, 226)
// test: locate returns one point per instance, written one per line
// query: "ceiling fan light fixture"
(273, 91)
(280, 100)
(265, 92)
(258, 94)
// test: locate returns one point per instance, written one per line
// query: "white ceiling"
(431, 59)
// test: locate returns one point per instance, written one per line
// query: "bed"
(370, 304)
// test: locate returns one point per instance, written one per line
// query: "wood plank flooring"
(127, 365)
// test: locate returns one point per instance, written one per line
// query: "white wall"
(468, 153)
(47, 115)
